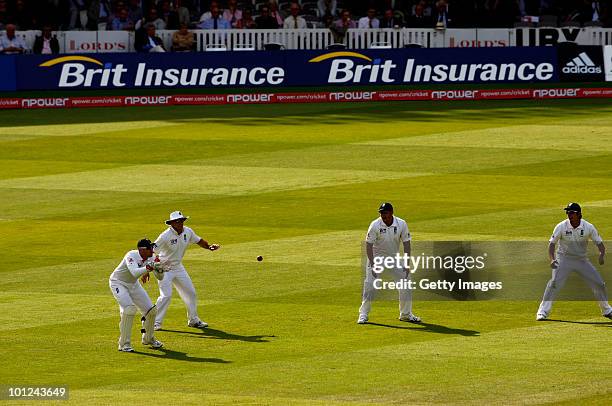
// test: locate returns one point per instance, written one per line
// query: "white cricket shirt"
(386, 239)
(573, 241)
(171, 246)
(131, 267)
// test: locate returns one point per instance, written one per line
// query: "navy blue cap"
(145, 243)
(573, 207)
(385, 207)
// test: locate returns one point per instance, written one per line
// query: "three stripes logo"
(581, 64)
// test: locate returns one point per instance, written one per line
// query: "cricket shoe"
(153, 343)
(126, 348)
(410, 318)
(362, 320)
(609, 315)
(541, 317)
(198, 324)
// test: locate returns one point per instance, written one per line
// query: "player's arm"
(407, 247)
(406, 237)
(195, 239)
(602, 252)
(556, 235)
(137, 271)
(370, 253)
(155, 266)
(204, 244)
(371, 237)
(599, 243)
(551, 251)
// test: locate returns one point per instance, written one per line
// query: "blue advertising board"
(8, 82)
(286, 68)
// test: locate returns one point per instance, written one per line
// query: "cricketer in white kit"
(171, 246)
(383, 240)
(572, 235)
(130, 294)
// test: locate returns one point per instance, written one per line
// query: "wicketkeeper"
(131, 295)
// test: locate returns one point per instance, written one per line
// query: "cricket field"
(299, 185)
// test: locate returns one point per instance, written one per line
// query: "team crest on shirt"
(569, 232)
(383, 230)
(185, 237)
(582, 233)
(173, 242)
(394, 230)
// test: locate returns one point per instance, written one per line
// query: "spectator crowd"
(147, 16)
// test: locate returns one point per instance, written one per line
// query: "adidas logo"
(581, 64)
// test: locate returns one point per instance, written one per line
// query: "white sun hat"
(176, 215)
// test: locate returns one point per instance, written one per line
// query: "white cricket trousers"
(180, 279)
(559, 276)
(128, 294)
(369, 292)
(131, 296)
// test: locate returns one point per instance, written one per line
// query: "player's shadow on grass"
(594, 323)
(165, 353)
(431, 328)
(212, 333)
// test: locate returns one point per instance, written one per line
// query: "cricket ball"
(259, 258)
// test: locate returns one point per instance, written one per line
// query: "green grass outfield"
(299, 185)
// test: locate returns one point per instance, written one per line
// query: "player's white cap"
(176, 215)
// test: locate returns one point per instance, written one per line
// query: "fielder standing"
(572, 235)
(171, 246)
(130, 294)
(383, 240)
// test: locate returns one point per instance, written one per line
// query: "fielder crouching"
(130, 294)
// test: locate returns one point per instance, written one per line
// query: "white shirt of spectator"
(131, 268)
(386, 239)
(573, 241)
(206, 16)
(16, 42)
(295, 22)
(171, 246)
(46, 49)
(364, 22)
(152, 42)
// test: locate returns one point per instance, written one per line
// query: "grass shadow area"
(431, 328)
(594, 323)
(165, 353)
(212, 333)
